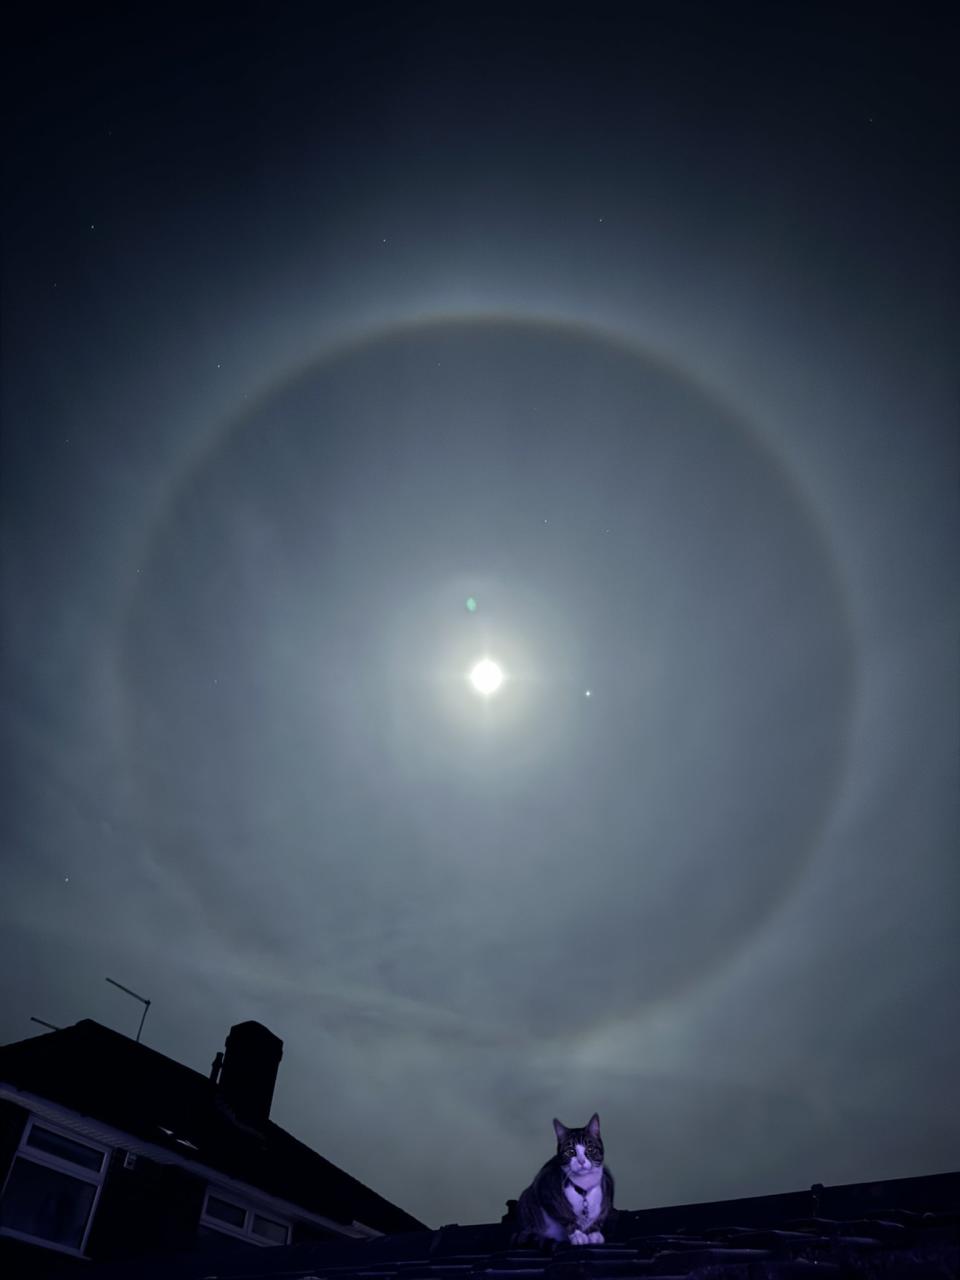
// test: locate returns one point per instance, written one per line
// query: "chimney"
(249, 1072)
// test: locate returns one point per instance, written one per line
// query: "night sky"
(636, 329)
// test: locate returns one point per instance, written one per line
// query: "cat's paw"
(579, 1237)
(596, 1237)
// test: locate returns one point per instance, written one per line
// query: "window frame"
(58, 1164)
(250, 1211)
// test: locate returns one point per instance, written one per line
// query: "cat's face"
(580, 1150)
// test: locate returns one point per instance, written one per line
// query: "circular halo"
(211, 445)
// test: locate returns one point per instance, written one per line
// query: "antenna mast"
(143, 1000)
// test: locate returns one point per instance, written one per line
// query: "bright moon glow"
(486, 677)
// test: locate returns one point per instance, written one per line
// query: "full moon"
(486, 677)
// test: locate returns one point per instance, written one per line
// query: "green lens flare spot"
(471, 605)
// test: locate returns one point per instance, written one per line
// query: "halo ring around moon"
(221, 433)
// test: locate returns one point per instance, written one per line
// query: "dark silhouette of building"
(905, 1229)
(113, 1155)
(110, 1150)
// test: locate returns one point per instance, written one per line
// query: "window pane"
(45, 1203)
(66, 1148)
(269, 1230)
(225, 1212)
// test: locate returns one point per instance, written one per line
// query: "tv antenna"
(45, 1024)
(143, 1000)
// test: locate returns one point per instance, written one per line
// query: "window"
(234, 1218)
(52, 1188)
(268, 1229)
(223, 1211)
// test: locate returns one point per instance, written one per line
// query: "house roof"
(99, 1073)
(904, 1228)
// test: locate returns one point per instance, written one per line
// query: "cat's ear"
(559, 1129)
(594, 1125)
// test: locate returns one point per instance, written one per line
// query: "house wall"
(147, 1209)
(150, 1208)
(17, 1258)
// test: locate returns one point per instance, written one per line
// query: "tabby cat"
(571, 1197)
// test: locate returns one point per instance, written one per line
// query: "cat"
(571, 1197)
